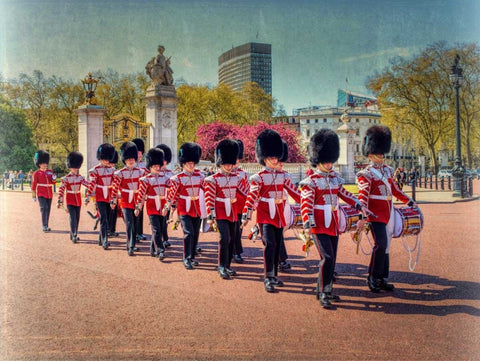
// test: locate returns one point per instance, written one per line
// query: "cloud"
(187, 63)
(404, 52)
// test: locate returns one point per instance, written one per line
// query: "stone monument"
(346, 135)
(90, 125)
(161, 103)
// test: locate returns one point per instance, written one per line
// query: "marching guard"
(376, 188)
(70, 186)
(283, 255)
(113, 214)
(241, 198)
(186, 190)
(43, 180)
(153, 189)
(320, 207)
(126, 181)
(221, 190)
(266, 189)
(100, 183)
(167, 159)
(140, 164)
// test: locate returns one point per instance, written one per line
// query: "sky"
(318, 46)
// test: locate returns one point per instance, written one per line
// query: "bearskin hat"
(154, 156)
(268, 144)
(105, 151)
(189, 152)
(115, 157)
(284, 156)
(226, 152)
(140, 144)
(41, 157)
(74, 160)
(377, 140)
(240, 148)
(167, 152)
(128, 150)
(324, 147)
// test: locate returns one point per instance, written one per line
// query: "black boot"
(384, 285)
(373, 284)
(332, 297)
(269, 285)
(324, 300)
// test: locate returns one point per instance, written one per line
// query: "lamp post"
(90, 85)
(456, 77)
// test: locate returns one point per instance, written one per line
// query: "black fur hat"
(128, 150)
(226, 152)
(115, 157)
(140, 144)
(153, 157)
(74, 160)
(268, 144)
(41, 157)
(284, 157)
(377, 140)
(105, 151)
(189, 152)
(240, 148)
(324, 147)
(167, 152)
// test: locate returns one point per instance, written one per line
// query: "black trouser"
(379, 262)
(165, 227)
(104, 211)
(237, 240)
(282, 252)
(227, 231)
(191, 232)
(130, 223)
(74, 212)
(271, 238)
(112, 220)
(157, 223)
(45, 206)
(139, 223)
(327, 247)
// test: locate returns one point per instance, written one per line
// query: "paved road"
(64, 301)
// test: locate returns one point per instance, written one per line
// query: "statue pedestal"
(161, 104)
(90, 134)
(346, 159)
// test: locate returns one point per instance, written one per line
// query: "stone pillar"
(161, 103)
(346, 160)
(90, 134)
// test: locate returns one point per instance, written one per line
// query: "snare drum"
(349, 218)
(293, 216)
(408, 221)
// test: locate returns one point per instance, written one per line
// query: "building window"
(308, 121)
(324, 120)
(308, 132)
(316, 120)
(357, 120)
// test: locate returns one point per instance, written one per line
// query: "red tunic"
(320, 201)
(185, 190)
(100, 182)
(266, 189)
(71, 185)
(376, 187)
(153, 189)
(244, 188)
(221, 195)
(126, 182)
(42, 183)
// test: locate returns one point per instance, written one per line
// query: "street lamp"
(90, 85)
(456, 77)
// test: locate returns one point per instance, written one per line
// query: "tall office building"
(251, 62)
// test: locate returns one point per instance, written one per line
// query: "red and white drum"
(293, 216)
(349, 218)
(408, 221)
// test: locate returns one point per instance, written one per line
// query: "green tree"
(416, 95)
(16, 143)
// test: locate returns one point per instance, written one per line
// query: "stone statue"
(158, 69)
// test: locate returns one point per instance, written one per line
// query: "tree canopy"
(16, 145)
(417, 98)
